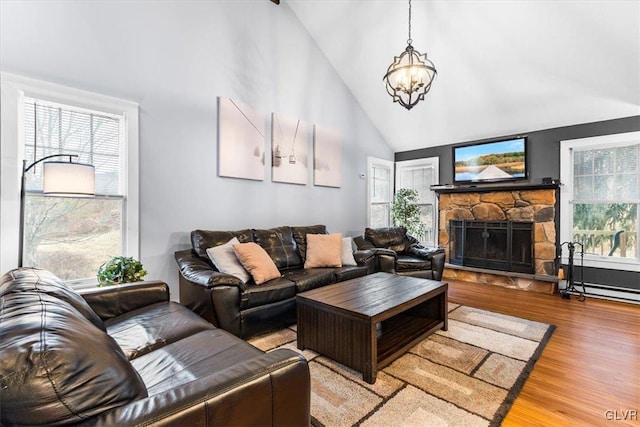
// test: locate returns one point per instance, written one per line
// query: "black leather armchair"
(399, 253)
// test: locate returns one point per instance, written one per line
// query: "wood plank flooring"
(589, 372)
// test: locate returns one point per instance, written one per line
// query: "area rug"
(469, 375)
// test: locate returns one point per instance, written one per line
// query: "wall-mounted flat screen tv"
(494, 161)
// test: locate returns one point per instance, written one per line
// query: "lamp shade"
(69, 179)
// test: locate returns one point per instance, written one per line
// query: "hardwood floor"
(588, 374)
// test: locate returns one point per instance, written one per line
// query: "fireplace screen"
(494, 245)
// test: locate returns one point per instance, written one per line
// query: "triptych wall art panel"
(241, 144)
(289, 150)
(241, 147)
(327, 157)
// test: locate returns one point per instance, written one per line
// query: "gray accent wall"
(174, 59)
(543, 147)
(544, 161)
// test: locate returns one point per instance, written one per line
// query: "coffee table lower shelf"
(398, 334)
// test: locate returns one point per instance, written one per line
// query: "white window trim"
(566, 191)
(13, 88)
(374, 161)
(434, 163)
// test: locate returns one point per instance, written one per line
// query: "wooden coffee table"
(368, 322)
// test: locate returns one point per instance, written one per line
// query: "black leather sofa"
(399, 253)
(247, 309)
(126, 355)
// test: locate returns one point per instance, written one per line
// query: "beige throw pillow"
(257, 262)
(226, 261)
(347, 252)
(324, 250)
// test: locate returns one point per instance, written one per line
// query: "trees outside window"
(599, 204)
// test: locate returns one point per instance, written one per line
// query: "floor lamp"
(60, 178)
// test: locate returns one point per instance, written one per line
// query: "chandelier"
(409, 77)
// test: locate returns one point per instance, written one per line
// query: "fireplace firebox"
(494, 245)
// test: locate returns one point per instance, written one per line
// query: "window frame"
(566, 197)
(427, 162)
(13, 89)
(371, 162)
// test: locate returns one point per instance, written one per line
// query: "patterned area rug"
(469, 375)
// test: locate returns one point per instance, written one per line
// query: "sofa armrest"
(272, 389)
(366, 258)
(199, 272)
(363, 256)
(385, 259)
(114, 300)
(437, 265)
(423, 252)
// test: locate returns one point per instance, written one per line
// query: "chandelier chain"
(409, 41)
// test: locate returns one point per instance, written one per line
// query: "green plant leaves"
(120, 269)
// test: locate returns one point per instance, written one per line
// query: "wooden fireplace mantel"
(484, 188)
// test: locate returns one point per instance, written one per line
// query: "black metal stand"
(570, 287)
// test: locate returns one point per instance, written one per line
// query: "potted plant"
(120, 269)
(405, 212)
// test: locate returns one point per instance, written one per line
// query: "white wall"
(175, 59)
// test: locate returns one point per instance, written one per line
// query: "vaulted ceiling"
(504, 67)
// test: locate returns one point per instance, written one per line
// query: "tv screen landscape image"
(490, 161)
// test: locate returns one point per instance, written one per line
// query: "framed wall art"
(241, 142)
(289, 150)
(327, 157)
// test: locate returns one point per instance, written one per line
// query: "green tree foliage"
(406, 213)
(605, 217)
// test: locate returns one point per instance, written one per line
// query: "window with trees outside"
(420, 175)
(69, 236)
(600, 198)
(380, 192)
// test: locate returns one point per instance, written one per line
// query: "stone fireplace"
(497, 207)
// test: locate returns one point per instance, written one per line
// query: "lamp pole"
(23, 193)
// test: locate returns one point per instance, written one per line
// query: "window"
(380, 192)
(71, 237)
(600, 198)
(419, 175)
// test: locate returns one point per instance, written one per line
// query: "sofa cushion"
(43, 281)
(195, 356)
(60, 377)
(143, 330)
(310, 278)
(280, 245)
(271, 291)
(257, 262)
(394, 238)
(201, 240)
(408, 263)
(225, 260)
(300, 236)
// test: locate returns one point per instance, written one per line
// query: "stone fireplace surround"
(535, 203)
